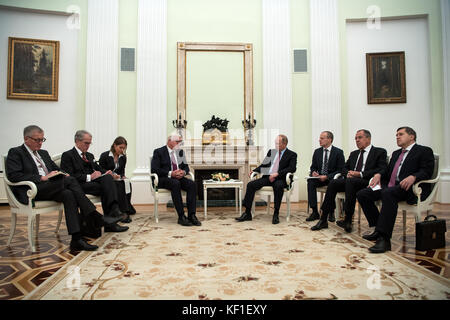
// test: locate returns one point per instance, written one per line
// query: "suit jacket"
(336, 161)
(20, 166)
(375, 163)
(419, 162)
(288, 163)
(72, 163)
(161, 164)
(107, 163)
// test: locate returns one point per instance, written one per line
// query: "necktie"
(83, 156)
(174, 162)
(360, 161)
(395, 171)
(325, 163)
(40, 162)
(276, 165)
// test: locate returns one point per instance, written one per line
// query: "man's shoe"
(115, 228)
(184, 221)
(331, 217)
(372, 237)
(314, 216)
(244, 217)
(126, 220)
(275, 219)
(340, 223)
(322, 224)
(117, 213)
(381, 246)
(81, 244)
(193, 219)
(108, 220)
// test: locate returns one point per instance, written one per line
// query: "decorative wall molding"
(325, 70)
(277, 76)
(445, 165)
(102, 68)
(151, 96)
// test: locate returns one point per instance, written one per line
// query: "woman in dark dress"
(115, 160)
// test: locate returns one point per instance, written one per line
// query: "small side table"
(236, 184)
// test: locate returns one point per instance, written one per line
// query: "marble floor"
(21, 271)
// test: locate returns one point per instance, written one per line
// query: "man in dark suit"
(409, 164)
(327, 161)
(277, 163)
(29, 162)
(92, 178)
(170, 164)
(360, 167)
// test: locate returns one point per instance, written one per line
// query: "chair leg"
(359, 214)
(155, 209)
(288, 202)
(268, 205)
(59, 221)
(404, 221)
(13, 227)
(253, 207)
(37, 220)
(31, 220)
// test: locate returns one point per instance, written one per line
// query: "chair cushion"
(45, 204)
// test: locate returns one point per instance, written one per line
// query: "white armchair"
(96, 200)
(268, 191)
(32, 210)
(158, 191)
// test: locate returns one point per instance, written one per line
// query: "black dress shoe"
(275, 219)
(81, 244)
(381, 246)
(340, 223)
(346, 225)
(314, 216)
(184, 221)
(331, 217)
(132, 210)
(322, 224)
(116, 213)
(193, 219)
(115, 228)
(244, 217)
(126, 220)
(372, 237)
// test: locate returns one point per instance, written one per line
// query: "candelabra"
(248, 125)
(180, 125)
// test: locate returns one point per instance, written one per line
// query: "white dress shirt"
(365, 155)
(170, 156)
(36, 162)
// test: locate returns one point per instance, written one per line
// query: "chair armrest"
(190, 176)
(30, 193)
(418, 190)
(337, 175)
(253, 175)
(290, 178)
(155, 181)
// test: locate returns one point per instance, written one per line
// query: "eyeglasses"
(178, 141)
(38, 140)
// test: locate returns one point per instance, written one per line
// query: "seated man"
(277, 163)
(327, 161)
(170, 164)
(92, 178)
(409, 164)
(29, 162)
(362, 164)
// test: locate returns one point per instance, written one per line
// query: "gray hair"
(366, 133)
(30, 129)
(80, 134)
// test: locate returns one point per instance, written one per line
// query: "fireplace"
(215, 194)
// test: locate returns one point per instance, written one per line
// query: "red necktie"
(395, 171)
(174, 162)
(83, 156)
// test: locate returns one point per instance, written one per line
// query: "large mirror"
(197, 86)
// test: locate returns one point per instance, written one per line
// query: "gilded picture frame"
(33, 69)
(386, 77)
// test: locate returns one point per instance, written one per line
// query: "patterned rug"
(226, 260)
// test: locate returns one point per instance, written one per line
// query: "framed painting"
(33, 67)
(386, 77)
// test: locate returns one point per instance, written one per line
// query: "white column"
(445, 158)
(102, 68)
(277, 77)
(277, 71)
(325, 71)
(151, 96)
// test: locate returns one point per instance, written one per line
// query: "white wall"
(382, 120)
(57, 118)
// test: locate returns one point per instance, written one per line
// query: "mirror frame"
(247, 51)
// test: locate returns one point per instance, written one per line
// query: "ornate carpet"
(224, 259)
